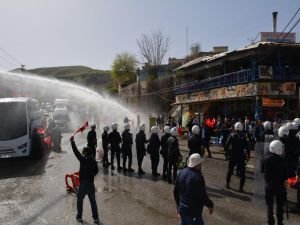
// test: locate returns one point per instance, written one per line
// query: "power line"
(10, 56)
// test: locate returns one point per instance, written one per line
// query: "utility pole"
(22, 67)
(138, 86)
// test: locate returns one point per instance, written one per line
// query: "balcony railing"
(240, 77)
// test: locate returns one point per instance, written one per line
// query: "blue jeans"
(188, 220)
(86, 188)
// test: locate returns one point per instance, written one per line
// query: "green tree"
(124, 68)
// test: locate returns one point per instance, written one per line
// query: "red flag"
(81, 129)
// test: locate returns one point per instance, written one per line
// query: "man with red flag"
(81, 129)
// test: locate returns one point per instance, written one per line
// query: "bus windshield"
(13, 120)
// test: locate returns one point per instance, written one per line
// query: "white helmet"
(93, 125)
(276, 147)
(267, 125)
(106, 128)
(154, 130)
(195, 129)
(297, 121)
(127, 126)
(238, 126)
(174, 131)
(114, 126)
(295, 126)
(142, 127)
(167, 129)
(283, 131)
(290, 126)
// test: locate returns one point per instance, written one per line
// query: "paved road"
(33, 193)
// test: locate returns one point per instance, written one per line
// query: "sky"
(46, 33)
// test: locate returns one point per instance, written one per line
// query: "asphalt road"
(33, 193)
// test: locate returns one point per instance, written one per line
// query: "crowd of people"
(238, 138)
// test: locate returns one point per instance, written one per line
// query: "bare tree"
(154, 47)
(195, 49)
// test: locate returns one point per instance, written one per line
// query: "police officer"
(226, 129)
(164, 149)
(275, 172)
(92, 139)
(105, 143)
(140, 141)
(173, 154)
(115, 139)
(153, 150)
(268, 128)
(127, 148)
(194, 142)
(239, 152)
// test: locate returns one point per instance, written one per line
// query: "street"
(33, 193)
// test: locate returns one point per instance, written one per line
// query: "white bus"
(18, 118)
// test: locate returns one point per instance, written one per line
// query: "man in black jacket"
(127, 148)
(190, 193)
(140, 141)
(115, 139)
(88, 169)
(153, 149)
(275, 172)
(92, 139)
(164, 149)
(105, 143)
(173, 154)
(195, 142)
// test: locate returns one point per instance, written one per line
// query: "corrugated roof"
(217, 56)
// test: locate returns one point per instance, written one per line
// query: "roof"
(207, 59)
(18, 99)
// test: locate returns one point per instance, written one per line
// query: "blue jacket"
(190, 193)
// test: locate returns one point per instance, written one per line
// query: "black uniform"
(226, 128)
(105, 143)
(275, 172)
(195, 145)
(115, 139)
(236, 146)
(56, 138)
(173, 156)
(127, 149)
(164, 152)
(140, 141)
(92, 141)
(153, 150)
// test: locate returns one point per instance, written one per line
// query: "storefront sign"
(269, 102)
(287, 88)
(278, 37)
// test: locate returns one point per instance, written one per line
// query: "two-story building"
(260, 81)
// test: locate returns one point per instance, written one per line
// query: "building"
(260, 81)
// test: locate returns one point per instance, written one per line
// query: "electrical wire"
(11, 57)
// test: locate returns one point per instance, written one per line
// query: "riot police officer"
(238, 153)
(195, 143)
(92, 139)
(140, 141)
(275, 172)
(127, 148)
(153, 150)
(115, 139)
(105, 143)
(173, 154)
(164, 149)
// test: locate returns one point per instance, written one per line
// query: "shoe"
(156, 174)
(241, 190)
(112, 167)
(79, 220)
(227, 186)
(124, 169)
(209, 156)
(119, 168)
(141, 172)
(165, 176)
(96, 221)
(130, 170)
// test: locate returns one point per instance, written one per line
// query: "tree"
(153, 49)
(123, 68)
(195, 49)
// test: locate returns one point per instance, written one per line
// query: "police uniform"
(127, 149)
(115, 140)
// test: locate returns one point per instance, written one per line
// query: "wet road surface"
(33, 193)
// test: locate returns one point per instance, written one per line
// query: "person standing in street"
(153, 149)
(173, 155)
(105, 143)
(164, 149)
(205, 133)
(238, 154)
(140, 141)
(190, 193)
(274, 168)
(115, 140)
(195, 142)
(92, 139)
(127, 148)
(88, 169)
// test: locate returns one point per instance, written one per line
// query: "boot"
(241, 189)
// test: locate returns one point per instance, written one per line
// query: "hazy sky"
(44, 33)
